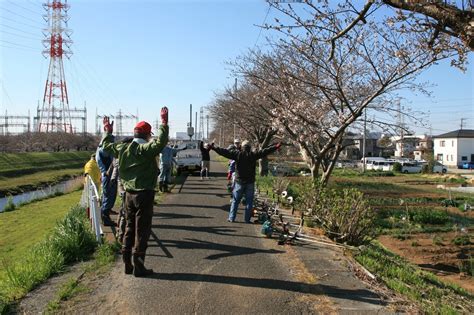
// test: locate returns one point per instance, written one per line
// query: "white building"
(455, 147)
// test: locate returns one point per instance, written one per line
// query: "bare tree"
(442, 24)
(241, 108)
(318, 90)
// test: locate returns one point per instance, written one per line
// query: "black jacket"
(245, 161)
(204, 152)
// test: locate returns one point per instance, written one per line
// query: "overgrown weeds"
(435, 296)
(71, 240)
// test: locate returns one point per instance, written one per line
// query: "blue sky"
(142, 55)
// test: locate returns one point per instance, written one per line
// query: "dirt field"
(435, 253)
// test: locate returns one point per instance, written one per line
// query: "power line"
(24, 49)
(261, 28)
(26, 18)
(14, 28)
(28, 37)
(29, 10)
(19, 45)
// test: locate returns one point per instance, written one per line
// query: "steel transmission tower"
(55, 115)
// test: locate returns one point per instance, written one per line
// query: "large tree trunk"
(263, 166)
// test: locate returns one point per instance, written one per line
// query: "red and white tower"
(55, 114)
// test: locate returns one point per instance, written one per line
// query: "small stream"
(62, 187)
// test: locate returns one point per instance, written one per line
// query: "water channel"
(62, 187)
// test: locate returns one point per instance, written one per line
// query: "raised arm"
(266, 151)
(225, 153)
(107, 142)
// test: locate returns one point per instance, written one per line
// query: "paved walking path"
(206, 265)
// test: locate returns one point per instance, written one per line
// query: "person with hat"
(138, 173)
(246, 162)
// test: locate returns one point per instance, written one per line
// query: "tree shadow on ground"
(227, 250)
(361, 295)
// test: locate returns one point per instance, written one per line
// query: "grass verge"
(70, 240)
(104, 257)
(424, 288)
(31, 223)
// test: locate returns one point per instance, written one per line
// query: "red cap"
(143, 127)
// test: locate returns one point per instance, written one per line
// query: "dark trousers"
(109, 194)
(139, 211)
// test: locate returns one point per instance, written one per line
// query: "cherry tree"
(317, 89)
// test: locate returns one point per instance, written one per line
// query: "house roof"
(461, 133)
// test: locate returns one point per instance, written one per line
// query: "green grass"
(15, 164)
(424, 288)
(71, 240)
(67, 291)
(29, 224)
(32, 181)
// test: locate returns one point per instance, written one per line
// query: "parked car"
(411, 168)
(466, 165)
(440, 168)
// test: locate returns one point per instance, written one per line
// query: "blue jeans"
(165, 174)
(239, 191)
(109, 194)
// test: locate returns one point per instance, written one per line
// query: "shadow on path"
(361, 295)
(219, 230)
(168, 215)
(228, 250)
(223, 207)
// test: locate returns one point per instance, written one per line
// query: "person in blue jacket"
(166, 164)
(109, 184)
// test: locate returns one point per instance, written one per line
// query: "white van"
(370, 162)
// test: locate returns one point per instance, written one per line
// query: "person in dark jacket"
(245, 161)
(138, 174)
(206, 159)
(109, 185)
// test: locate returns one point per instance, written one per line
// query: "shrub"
(345, 216)
(397, 167)
(462, 240)
(467, 266)
(438, 240)
(429, 216)
(449, 203)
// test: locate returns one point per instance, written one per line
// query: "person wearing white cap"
(246, 161)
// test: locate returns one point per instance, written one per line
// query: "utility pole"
(462, 122)
(364, 162)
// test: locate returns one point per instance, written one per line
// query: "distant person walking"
(206, 159)
(246, 162)
(92, 169)
(139, 173)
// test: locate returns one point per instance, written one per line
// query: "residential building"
(455, 147)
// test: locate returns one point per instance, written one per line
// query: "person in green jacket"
(138, 173)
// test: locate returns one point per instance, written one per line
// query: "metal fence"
(90, 200)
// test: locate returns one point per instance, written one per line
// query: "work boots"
(160, 186)
(139, 269)
(165, 187)
(127, 260)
